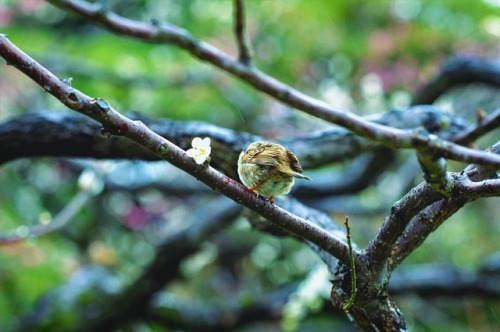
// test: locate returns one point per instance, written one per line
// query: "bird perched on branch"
(269, 169)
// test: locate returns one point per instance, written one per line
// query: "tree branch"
(434, 280)
(245, 52)
(115, 123)
(420, 226)
(487, 124)
(413, 210)
(66, 134)
(401, 214)
(361, 173)
(456, 72)
(167, 33)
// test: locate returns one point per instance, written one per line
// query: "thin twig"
(350, 303)
(244, 47)
(90, 184)
(168, 33)
(59, 221)
(489, 123)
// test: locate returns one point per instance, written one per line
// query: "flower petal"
(192, 153)
(197, 143)
(206, 142)
(200, 159)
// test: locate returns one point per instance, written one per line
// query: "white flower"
(201, 150)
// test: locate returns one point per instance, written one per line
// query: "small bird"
(269, 169)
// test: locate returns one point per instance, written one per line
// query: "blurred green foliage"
(363, 56)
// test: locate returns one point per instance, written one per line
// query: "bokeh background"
(366, 57)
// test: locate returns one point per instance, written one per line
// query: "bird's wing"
(265, 157)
